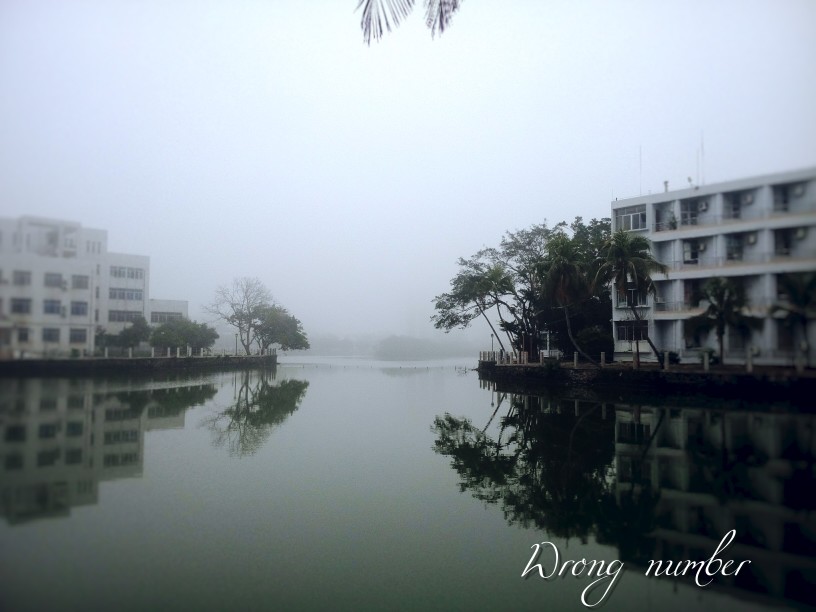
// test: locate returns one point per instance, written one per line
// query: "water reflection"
(656, 482)
(60, 437)
(258, 407)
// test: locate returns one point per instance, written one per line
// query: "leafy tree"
(800, 307)
(276, 326)
(138, 331)
(726, 302)
(566, 279)
(183, 332)
(627, 263)
(379, 15)
(239, 304)
(504, 280)
(512, 286)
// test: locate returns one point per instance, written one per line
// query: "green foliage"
(799, 307)
(138, 331)
(597, 339)
(726, 302)
(534, 277)
(183, 332)
(276, 326)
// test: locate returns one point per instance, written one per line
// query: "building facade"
(751, 231)
(59, 284)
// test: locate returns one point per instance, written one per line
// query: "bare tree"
(239, 305)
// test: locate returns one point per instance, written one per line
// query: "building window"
(783, 195)
(20, 306)
(784, 336)
(22, 335)
(15, 433)
(79, 281)
(125, 272)
(47, 458)
(74, 428)
(631, 331)
(123, 316)
(47, 431)
(73, 456)
(78, 336)
(79, 309)
(689, 209)
(631, 218)
(631, 297)
(691, 251)
(51, 334)
(52, 307)
(783, 242)
(21, 278)
(125, 294)
(164, 317)
(734, 247)
(119, 437)
(53, 279)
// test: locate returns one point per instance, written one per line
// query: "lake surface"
(354, 485)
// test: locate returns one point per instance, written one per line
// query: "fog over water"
(264, 138)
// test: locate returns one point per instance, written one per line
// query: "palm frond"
(438, 14)
(381, 15)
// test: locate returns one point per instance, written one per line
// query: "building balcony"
(745, 215)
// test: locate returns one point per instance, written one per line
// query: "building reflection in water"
(656, 482)
(59, 438)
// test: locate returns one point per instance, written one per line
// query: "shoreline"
(653, 385)
(91, 366)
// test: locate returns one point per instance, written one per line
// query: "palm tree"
(626, 261)
(726, 302)
(566, 281)
(800, 307)
(380, 15)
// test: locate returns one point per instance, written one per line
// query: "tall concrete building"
(59, 284)
(751, 231)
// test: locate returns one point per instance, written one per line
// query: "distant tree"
(726, 303)
(627, 263)
(800, 306)
(183, 332)
(138, 331)
(381, 15)
(274, 325)
(239, 304)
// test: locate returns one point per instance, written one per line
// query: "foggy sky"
(265, 139)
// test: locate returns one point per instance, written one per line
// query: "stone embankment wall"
(763, 385)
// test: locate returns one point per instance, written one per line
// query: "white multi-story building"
(751, 231)
(59, 284)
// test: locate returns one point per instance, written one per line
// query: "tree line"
(246, 305)
(551, 280)
(559, 281)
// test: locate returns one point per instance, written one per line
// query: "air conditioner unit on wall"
(703, 206)
(800, 233)
(799, 190)
(752, 238)
(748, 198)
(701, 247)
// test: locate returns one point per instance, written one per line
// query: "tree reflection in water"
(551, 471)
(656, 482)
(259, 407)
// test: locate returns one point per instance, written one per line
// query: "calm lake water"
(354, 485)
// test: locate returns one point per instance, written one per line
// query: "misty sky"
(266, 139)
